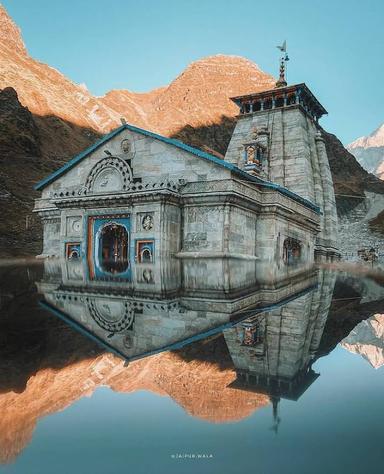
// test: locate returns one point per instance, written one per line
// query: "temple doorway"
(108, 246)
(113, 248)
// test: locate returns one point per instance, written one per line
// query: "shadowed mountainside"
(213, 137)
(31, 147)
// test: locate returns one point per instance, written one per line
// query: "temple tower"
(278, 139)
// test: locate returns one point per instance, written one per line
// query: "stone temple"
(135, 196)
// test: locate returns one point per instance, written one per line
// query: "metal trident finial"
(283, 59)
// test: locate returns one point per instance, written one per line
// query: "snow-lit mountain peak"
(375, 139)
(367, 340)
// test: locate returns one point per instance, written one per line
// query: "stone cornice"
(120, 199)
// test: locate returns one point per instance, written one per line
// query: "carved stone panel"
(74, 225)
(109, 179)
(111, 315)
(109, 175)
(145, 221)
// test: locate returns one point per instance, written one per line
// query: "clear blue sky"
(336, 46)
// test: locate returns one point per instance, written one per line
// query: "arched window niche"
(279, 102)
(145, 251)
(292, 251)
(252, 335)
(291, 99)
(72, 250)
(268, 104)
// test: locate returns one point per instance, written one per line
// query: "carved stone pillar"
(226, 228)
(330, 215)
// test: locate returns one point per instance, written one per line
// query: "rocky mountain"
(200, 95)
(369, 151)
(359, 200)
(43, 89)
(189, 99)
(367, 340)
(10, 34)
(53, 119)
(31, 146)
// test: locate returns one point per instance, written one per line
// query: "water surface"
(246, 378)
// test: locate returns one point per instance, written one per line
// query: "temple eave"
(281, 92)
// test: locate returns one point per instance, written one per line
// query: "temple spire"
(276, 417)
(283, 59)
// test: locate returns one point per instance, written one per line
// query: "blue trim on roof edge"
(71, 163)
(171, 141)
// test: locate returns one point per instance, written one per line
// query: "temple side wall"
(203, 228)
(271, 232)
(242, 231)
(219, 229)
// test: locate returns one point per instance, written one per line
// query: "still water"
(197, 367)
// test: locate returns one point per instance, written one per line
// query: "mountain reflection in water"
(222, 338)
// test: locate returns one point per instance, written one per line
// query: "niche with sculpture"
(292, 251)
(256, 151)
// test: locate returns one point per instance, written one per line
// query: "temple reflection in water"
(272, 316)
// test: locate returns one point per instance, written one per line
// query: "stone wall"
(52, 244)
(148, 158)
(290, 335)
(203, 228)
(296, 158)
(272, 232)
